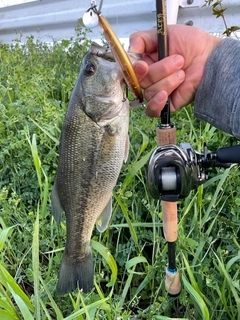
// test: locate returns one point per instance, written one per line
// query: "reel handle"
(228, 154)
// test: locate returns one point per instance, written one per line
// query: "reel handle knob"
(228, 154)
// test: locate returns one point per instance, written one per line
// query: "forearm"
(217, 99)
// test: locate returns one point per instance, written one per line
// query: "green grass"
(131, 256)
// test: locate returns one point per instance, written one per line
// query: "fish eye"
(90, 69)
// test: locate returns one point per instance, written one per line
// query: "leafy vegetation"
(130, 257)
(219, 12)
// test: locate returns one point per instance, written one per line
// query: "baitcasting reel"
(174, 171)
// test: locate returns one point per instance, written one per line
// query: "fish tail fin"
(75, 273)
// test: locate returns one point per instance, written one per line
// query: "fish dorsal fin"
(57, 209)
(104, 218)
(126, 151)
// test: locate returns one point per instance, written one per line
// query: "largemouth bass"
(93, 146)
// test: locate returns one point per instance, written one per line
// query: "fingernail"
(131, 46)
(178, 60)
(180, 75)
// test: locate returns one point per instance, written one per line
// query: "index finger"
(143, 41)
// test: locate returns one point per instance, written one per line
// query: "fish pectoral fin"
(105, 216)
(57, 209)
(126, 151)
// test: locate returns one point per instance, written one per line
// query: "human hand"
(179, 74)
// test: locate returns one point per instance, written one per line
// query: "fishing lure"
(91, 18)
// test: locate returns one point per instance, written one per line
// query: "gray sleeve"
(217, 99)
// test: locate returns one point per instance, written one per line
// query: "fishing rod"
(166, 134)
(174, 171)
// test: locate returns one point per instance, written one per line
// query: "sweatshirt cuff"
(217, 99)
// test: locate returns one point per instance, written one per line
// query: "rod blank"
(163, 50)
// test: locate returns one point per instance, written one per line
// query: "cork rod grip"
(173, 283)
(170, 220)
(166, 136)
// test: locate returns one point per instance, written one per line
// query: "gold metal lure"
(122, 58)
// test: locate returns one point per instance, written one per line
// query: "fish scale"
(93, 146)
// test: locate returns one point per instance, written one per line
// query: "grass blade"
(56, 140)
(145, 141)
(197, 298)
(22, 306)
(36, 159)
(6, 302)
(4, 234)
(167, 318)
(126, 288)
(130, 266)
(135, 168)
(107, 256)
(6, 315)
(129, 222)
(228, 279)
(133, 262)
(35, 262)
(98, 304)
(11, 284)
(222, 179)
(53, 303)
(193, 281)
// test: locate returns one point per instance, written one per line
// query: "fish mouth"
(106, 54)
